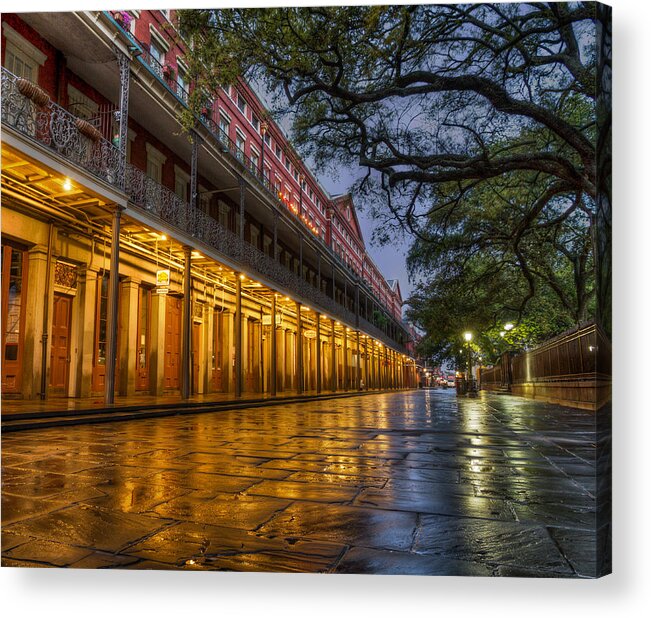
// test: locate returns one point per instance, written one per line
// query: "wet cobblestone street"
(399, 483)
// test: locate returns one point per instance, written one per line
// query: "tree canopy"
(476, 124)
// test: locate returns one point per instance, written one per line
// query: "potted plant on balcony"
(206, 110)
(168, 71)
(123, 18)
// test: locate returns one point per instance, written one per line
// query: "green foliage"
(477, 125)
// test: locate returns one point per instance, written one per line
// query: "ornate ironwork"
(163, 72)
(172, 210)
(58, 129)
(65, 275)
(229, 147)
(193, 169)
(124, 65)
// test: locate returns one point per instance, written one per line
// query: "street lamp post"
(471, 392)
(507, 376)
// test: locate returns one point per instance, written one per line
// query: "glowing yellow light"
(467, 336)
(242, 277)
(163, 237)
(508, 326)
(67, 185)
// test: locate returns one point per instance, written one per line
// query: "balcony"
(235, 154)
(27, 109)
(165, 205)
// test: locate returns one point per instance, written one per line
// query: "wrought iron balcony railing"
(29, 110)
(229, 147)
(172, 210)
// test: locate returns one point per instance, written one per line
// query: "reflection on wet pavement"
(402, 483)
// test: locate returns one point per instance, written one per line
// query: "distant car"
(451, 381)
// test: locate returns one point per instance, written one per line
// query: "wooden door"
(14, 279)
(101, 335)
(60, 349)
(173, 309)
(217, 351)
(142, 342)
(196, 350)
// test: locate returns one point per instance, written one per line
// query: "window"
(240, 142)
(267, 245)
(255, 122)
(224, 212)
(224, 124)
(255, 236)
(182, 85)
(134, 16)
(255, 159)
(158, 57)
(267, 139)
(241, 104)
(80, 105)
(131, 137)
(21, 57)
(155, 162)
(279, 152)
(181, 181)
(203, 199)
(287, 165)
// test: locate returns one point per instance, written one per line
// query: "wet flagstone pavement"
(399, 483)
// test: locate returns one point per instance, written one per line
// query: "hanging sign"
(162, 281)
(163, 278)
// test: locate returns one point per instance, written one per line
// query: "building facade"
(138, 257)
